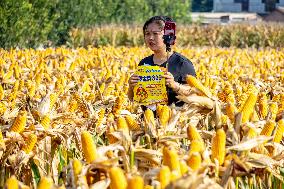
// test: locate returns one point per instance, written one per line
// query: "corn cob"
(268, 128)
(88, 146)
(77, 168)
(135, 182)
(3, 108)
(170, 159)
(102, 88)
(196, 146)
(193, 82)
(148, 187)
(32, 90)
(20, 122)
(117, 106)
(86, 87)
(194, 161)
(218, 146)
(251, 133)
(230, 110)
(45, 183)
(193, 134)
(101, 115)
(12, 183)
(165, 115)
(248, 107)
(111, 139)
(279, 131)
(122, 125)
(73, 105)
(263, 105)
(149, 117)
(82, 105)
(30, 143)
(163, 176)
(183, 167)
(159, 109)
(2, 93)
(132, 124)
(1, 137)
(273, 110)
(53, 98)
(117, 178)
(45, 121)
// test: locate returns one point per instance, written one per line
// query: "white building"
(258, 6)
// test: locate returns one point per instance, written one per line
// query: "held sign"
(151, 87)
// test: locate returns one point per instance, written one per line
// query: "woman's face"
(154, 37)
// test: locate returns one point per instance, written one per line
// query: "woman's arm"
(133, 80)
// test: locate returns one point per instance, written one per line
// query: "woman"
(178, 65)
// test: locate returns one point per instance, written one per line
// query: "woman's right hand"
(133, 80)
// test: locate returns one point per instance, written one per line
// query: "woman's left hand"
(170, 81)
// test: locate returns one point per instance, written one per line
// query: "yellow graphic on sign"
(151, 87)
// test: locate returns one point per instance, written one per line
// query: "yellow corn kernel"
(196, 146)
(194, 161)
(165, 115)
(20, 122)
(135, 182)
(268, 128)
(218, 146)
(248, 107)
(45, 122)
(12, 183)
(122, 125)
(171, 159)
(193, 134)
(279, 131)
(194, 82)
(30, 143)
(263, 105)
(117, 178)
(132, 123)
(45, 183)
(88, 146)
(164, 176)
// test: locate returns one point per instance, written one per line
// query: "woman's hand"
(133, 80)
(170, 81)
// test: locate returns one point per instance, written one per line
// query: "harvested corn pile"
(66, 121)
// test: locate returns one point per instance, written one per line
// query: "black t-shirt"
(179, 66)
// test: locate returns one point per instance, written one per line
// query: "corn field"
(232, 35)
(66, 121)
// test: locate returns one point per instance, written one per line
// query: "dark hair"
(160, 20)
